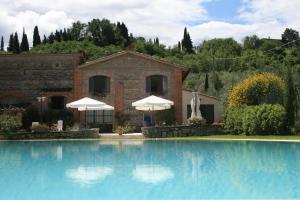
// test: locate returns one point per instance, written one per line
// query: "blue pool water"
(61, 170)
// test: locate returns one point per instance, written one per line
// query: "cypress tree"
(65, 35)
(16, 44)
(45, 39)
(187, 42)
(24, 42)
(156, 41)
(51, 38)
(2, 44)
(57, 36)
(179, 45)
(11, 43)
(206, 84)
(290, 98)
(36, 37)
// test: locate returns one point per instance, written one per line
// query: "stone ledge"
(181, 131)
(51, 135)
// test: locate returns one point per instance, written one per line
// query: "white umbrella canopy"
(105, 107)
(85, 103)
(152, 103)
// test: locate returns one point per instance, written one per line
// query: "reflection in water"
(59, 153)
(152, 173)
(133, 170)
(88, 175)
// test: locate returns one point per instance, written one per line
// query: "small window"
(58, 102)
(99, 85)
(156, 85)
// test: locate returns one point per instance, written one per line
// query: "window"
(99, 85)
(156, 85)
(57, 102)
(99, 116)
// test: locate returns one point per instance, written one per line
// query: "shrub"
(233, 119)
(257, 89)
(256, 120)
(166, 117)
(122, 118)
(52, 116)
(31, 114)
(9, 123)
(40, 128)
(195, 121)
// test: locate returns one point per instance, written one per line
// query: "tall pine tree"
(51, 38)
(11, 43)
(36, 37)
(187, 42)
(290, 97)
(206, 84)
(16, 44)
(2, 44)
(45, 40)
(24, 42)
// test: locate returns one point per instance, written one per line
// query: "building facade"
(117, 80)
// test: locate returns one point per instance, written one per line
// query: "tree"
(11, 43)
(206, 84)
(65, 35)
(78, 31)
(290, 97)
(251, 42)
(218, 85)
(57, 36)
(290, 36)
(45, 40)
(156, 41)
(16, 44)
(51, 38)
(36, 37)
(187, 42)
(2, 44)
(24, 42)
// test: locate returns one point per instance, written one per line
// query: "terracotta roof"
(105, 58)
(202, 94)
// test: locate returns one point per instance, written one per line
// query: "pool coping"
(157, 139)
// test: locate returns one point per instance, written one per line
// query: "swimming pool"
(137, 169)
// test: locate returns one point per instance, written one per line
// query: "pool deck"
(110, 136)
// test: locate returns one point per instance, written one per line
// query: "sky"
(166, 19)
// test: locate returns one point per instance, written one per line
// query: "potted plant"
(119, 130)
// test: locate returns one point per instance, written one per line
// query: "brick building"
(117, 80)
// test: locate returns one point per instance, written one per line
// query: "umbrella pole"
(85, 119)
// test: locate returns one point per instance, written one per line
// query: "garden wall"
(181, 131)
(51, 135)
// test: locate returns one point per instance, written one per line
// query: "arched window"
(156, 85)
(99, 85)
(57, 102)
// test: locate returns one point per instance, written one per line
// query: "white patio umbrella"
(152, 103)
(86, 103)
(195, 106)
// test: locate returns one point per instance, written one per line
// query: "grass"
(241, 137)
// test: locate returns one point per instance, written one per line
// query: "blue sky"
(165, 19)
(223, 10)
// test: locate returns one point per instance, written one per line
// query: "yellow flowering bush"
(257, 89)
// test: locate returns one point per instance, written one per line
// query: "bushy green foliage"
(9, 123)
(92, 51)
(40, 128)
(195, 122)
(166, 117)
(52, 116)
(262, 119)
(31, 114)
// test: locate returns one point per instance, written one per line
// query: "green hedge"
(264, 119)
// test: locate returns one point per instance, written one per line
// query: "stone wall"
(181, 131)
(51, 135)
(27, 76)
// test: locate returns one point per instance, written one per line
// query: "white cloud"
(163, 18)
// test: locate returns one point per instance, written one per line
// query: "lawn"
(241, 137)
